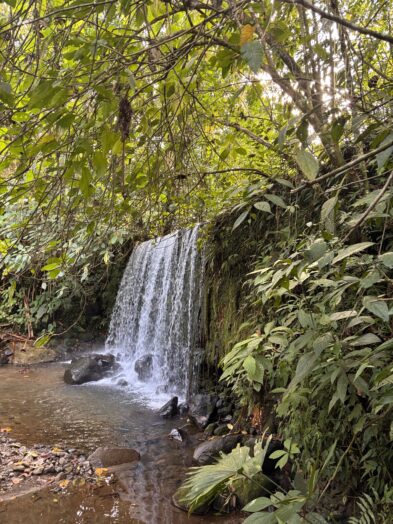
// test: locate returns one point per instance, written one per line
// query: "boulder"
(169, 410)
(202, 410)
(208, 451)
(88, 369)
(144, 367)
(108, 457)
(183, 408)
(220, 430)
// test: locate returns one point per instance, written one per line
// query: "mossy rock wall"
(230, 256)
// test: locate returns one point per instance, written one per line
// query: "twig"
(341, 21)
(371, 206)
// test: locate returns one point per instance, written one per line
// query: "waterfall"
(154, 324)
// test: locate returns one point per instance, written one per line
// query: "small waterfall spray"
(154, 324)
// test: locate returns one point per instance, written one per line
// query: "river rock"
(183, 408)
(143, 367)
(107, 457)
(88, 369)
(169, 409)
(208, 451)
(202, 410)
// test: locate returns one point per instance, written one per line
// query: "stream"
(40, 408)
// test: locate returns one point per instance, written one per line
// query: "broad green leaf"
(384, 156)
(387, 259)
(304, 367)
(276, 200)
(258, 504)
(351, 250)
(241, 218)
(252, 52)
(307, 163)
(263, 206)
(340, 315)
(327, 213)
(366, 340)
(377, 307)
(261, 518)
(6, 95)
(250, 366)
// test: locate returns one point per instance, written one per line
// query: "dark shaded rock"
(208, 451)
(202, 410)
(247, 491)
(144, 367)
(183, 408)
(107, 457)
(269, 464)
(224, 411)
(169, 409)
(222, 429)
(209, 430)
(88, 369)
(122, 382)
(3, 359)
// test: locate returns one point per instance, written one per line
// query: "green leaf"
(249, 365)
(252, 52)
(327, 213)
(384, 156)
(261, 518)
(387, 259)
(6, 95)
(307, 163)
(304, 367)
(263, 206)
(41, 341)
(258, 504)
(241, 218)
(276, 200)
(378, 307)
(351, 250)
(366, 340)
(99, 163)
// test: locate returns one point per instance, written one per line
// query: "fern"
(367, 510)
(204, 483)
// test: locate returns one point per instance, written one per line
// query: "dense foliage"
(124, 119)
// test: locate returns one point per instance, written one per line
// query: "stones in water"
(178, 434)
(170, 409)
(144, 367)
(5, 356)
(105, 457)
(183, 409)
(202, 410)
(88, 369)
(208, 451)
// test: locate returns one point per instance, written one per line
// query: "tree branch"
(341, 21)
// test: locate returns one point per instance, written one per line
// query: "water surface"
(40, 408)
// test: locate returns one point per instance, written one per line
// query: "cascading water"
(154, 324)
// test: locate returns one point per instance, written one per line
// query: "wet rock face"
(169, 409)
(202, 410)
(144, 367)
(208, 451)
(107, 457)
(88, 369)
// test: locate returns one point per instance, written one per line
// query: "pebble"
(19, 463)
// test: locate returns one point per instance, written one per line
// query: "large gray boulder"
(208, 451)
(88, 369)
(202, 410)
(144, 367)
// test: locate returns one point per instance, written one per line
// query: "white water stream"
(155, 317)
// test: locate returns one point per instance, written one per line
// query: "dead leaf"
(246, 34)
(5, 430)
(64, 483)
(101, 472)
